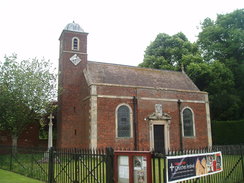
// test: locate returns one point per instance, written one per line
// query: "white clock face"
(75, 59)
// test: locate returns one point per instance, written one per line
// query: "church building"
(110, 105)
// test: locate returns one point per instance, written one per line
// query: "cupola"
(74, 27)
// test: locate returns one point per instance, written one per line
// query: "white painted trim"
(173, 100)
(116, 121)
(210, 142)
(159, 99)
(78, 44)
(93, 117)
(166, 133)
(193, 101)
(149, 98)
(193, 121)
(114, 97)
(77, 52)
(147, 87)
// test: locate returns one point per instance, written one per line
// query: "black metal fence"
(60, 165)
(233, 165)
(96, 166)
(25, 161)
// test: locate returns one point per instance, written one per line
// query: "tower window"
(75, 43)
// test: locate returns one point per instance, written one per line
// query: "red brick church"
(102, 104)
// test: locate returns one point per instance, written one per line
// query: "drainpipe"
(135, 121)
(180, 124)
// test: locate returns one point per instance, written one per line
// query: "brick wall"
(107, 107)
(29, 137)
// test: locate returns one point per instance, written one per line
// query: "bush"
(228, 132)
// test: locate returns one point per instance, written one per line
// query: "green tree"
(215, 62)
(171, 52)
(223, 40)
(26, 88)
(218, 81)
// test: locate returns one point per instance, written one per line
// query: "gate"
(80, 166)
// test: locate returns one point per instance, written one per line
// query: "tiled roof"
(98, 72)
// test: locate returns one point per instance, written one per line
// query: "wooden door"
(159, 144)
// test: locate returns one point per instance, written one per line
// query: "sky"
(119, 30)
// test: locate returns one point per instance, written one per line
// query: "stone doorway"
(159, 125)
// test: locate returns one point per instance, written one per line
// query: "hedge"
(228, 132)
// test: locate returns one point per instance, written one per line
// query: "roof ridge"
(130, 66)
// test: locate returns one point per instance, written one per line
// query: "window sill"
(123, 138)
(189, 137)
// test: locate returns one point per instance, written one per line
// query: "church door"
(159, 145)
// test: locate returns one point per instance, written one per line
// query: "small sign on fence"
(185, 167)
(132, 166)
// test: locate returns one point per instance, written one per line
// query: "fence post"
(165, 170)
(242, 161)
(109, 165)
(11, 159)
(50, 166)
(76, 156)
(32, 161)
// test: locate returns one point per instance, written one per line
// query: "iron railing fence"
(233, 164)
(96, 166)
(25, 161)
(60, 165)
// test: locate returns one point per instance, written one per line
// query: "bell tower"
(73, 46)
(72, 62)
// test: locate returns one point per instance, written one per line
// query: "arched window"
(188, 123)
(75, 43)
(123, 115)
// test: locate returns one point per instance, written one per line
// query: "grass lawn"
(9, 177)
